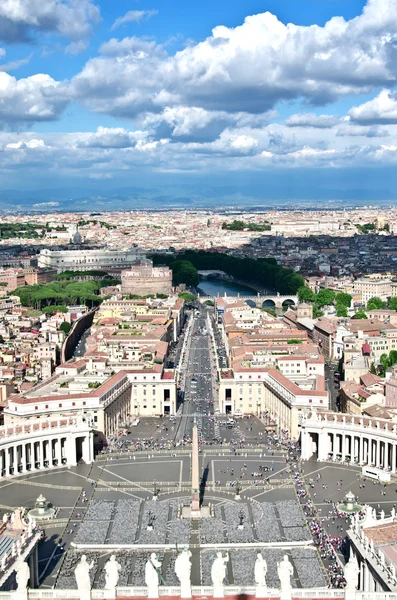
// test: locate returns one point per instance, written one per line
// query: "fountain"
(349, 504)
(42, 511)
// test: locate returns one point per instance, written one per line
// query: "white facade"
(86, 260)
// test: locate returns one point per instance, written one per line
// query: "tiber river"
(213, 287)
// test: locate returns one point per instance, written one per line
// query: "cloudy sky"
(261, 97)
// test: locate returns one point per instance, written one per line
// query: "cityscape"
(198, 300)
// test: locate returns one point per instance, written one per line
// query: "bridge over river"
(259, 300)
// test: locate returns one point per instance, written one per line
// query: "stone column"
(15, 459)
(58, 451)
(5, 462)
(377, 462)
(42, 452)
(333, 446)
(361, 450)
(23, 457)
(87, 453)
(70, 451)
(393, 458)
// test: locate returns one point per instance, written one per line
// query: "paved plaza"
(260, 495)
(111, 503)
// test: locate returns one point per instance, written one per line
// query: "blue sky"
(98, 96)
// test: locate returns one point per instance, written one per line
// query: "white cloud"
(15, 64)
(112, 137)
(133, 47)
(380, 110)
(311, 120)
(73, 19)
(134, 16)
(25, 101)
(248, 68)
(29, 144)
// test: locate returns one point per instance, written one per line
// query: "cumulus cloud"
(349, 129)
(379, 110)
(20, 19)
(29, 144)
(29, 100)
(112, 137)
(134, 16)
(311, 120)
(248, 68)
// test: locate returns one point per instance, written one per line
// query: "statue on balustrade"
(285, 572)
(152, 568)
(351, 572)
(22, 574)
(82, 574)
(112, 573)
(183, 567)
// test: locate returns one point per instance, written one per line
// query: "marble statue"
(152, 575)
(82, 574)
(22, 574)
(5, 517)
(393, 512)
(351, 572)
(218, 574)
(260, 571)
(112, 573)
(183, 567)
(285, 572)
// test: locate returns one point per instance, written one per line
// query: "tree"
(392, 303)
(343, 299)
(305, 294)
(375, 303)
(317, 313)
(184, 272)
(66, 327)
(384, 361)
(341, 310)
(373, 369)
(55, 308)
(360, 315)
(325, 297)
(392, 357)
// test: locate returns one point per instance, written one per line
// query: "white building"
(87, 260)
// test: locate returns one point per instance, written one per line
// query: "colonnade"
(53, 444)
(371, 442)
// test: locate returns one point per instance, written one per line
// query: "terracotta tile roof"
(382, 534)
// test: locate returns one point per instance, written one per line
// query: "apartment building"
(368, 288)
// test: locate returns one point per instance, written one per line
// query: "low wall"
(77, 330)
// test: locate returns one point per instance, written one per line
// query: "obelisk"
(195, 507)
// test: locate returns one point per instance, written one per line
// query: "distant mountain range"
(193, 196)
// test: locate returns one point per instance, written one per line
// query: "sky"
(226, 101)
